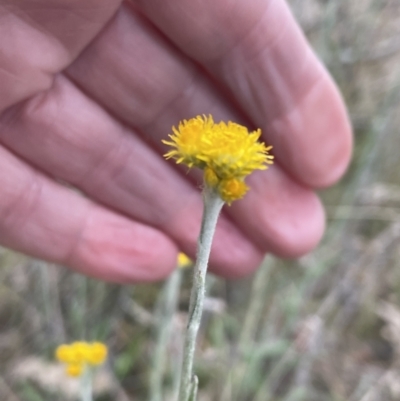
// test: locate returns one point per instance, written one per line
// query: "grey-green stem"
(212, 207)
(166, 308)
(86, 385)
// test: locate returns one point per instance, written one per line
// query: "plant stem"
(86, 385)
(166, 308)
(212, 207)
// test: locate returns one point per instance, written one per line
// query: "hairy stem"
(166, 308)
(86, 385)
(212, 207)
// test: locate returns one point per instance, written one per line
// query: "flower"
(80, 354)
(227, 152)
(232, 189)
(183, 260)
(188, 140)
(98, 354)
(74, 369)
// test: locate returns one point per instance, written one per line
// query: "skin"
(90, 87)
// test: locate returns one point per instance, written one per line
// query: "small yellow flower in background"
(183, 260)
(98, 354)
(80, 354)
(227, 152)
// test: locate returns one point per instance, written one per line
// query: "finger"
(278, 215)
(70, 137)
(137, 75)
(44, 219)
(257, 50)
(40, 38)
(153, 98)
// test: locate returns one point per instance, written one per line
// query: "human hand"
(90, 87)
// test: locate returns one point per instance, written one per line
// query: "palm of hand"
(89, 89)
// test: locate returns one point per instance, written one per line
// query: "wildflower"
(78, 355)
(74, 369)
(227, 153)
(97, 355)
(183, 260)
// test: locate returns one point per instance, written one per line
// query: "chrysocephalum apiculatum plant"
(165, 308)
(80, 358)
(227, 153)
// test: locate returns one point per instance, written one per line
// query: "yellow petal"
(97, 353)
(74, 369)
(183, 260)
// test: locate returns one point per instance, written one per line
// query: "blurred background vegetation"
(325, 327)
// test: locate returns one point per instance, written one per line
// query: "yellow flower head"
(97, 353)
(232, 189)
(183, 260)
(226, 151)
(80, 354)
(188, 140)
(74, 369)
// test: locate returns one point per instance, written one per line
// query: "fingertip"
(331, 150)
(279, 215)
(115, 249)
(293, 238)
(235, 268)
(314, 142)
